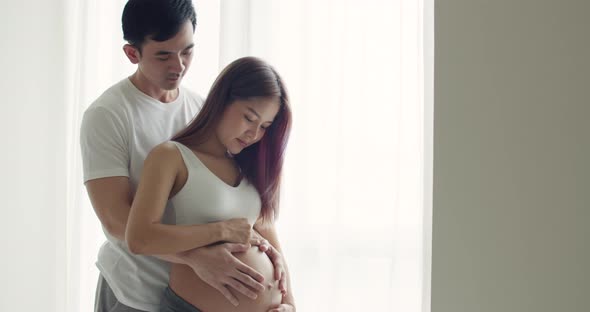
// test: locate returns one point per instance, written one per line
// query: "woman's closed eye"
(253, 119)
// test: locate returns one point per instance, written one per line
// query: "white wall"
(511, 156)
(32, 156)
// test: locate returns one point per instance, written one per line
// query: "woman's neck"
(213, 147)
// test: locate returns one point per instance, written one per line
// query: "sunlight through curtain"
(353, 208)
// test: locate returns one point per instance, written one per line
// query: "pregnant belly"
(198, 293)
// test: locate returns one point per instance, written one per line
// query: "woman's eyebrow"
(253, 111)
(256, 113)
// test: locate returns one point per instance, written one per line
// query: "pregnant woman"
(221, 175)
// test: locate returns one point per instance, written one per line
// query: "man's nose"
(177, 65)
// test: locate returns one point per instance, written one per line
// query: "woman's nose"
(253, 133)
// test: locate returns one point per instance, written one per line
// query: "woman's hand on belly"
(280, 273)
(282, 308)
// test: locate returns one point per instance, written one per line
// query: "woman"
(222, 176)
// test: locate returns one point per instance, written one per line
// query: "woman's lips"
(242, 143)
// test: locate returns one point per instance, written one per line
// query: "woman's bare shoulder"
(166, 153)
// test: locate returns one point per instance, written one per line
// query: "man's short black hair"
(157, 20)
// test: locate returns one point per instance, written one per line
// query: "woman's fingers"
(282, 308)
(262, 243)
(283, 284)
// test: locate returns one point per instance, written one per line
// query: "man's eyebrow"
(163, 52)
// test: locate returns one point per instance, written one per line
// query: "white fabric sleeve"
(105, 150)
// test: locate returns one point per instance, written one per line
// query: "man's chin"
(171, 85)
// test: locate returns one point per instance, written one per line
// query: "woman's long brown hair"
(261, 163)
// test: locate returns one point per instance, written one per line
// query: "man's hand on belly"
(218, 267)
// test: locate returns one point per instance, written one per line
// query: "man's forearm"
(179, 258)
(117, 224)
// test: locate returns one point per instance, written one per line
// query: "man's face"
(162, 65)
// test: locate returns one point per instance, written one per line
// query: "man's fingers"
(227, 294)
(242, 289)
(251, 272)
(235, 247)
(249, 281)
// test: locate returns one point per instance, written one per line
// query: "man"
(119, 129)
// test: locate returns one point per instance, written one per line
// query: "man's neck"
(143, 85)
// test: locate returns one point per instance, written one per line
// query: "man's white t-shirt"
(118, 131)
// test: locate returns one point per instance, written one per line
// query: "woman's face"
(244, 122)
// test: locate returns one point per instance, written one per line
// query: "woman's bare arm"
(145, 234)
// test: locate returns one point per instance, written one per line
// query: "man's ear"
(132, 53)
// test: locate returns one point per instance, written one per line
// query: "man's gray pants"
(106, 301)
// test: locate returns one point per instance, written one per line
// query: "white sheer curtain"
(355, 214)
(95, 61)
(353, 208)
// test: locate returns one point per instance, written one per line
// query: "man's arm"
(111, 199)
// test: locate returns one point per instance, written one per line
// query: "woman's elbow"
(135, 243)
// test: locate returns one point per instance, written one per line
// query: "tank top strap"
(189, 157)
